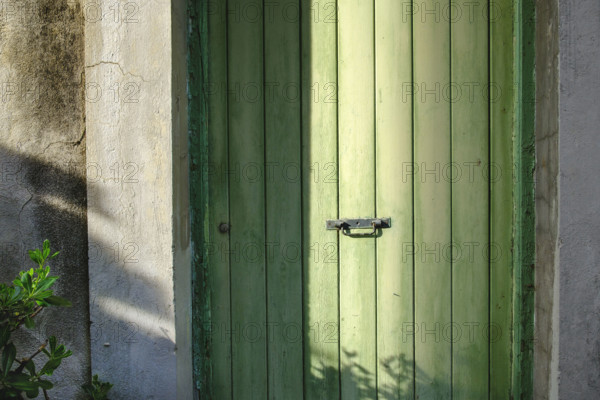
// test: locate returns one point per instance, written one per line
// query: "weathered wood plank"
(470, 203)
(282, 99)
(431, 41)
(501, 197)
(218, 211)
(393, 52)
(357, 198)
(247, 204)
(320, 200)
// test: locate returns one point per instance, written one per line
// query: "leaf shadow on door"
(395, 375)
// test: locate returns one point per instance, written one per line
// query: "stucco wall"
(42, 167)
(579, 238)
(137, 199)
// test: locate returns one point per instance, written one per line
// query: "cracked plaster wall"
(93, 156)
(135, 67)
(42, 167)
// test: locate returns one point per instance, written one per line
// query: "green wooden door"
(321, 110)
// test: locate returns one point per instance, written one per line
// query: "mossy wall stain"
(43, 165)
(42, 51)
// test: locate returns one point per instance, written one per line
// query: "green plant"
(97, 390)
(20, 302)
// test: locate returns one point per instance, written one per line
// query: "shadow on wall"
(43, 200)
(43, 195)
(42, 167)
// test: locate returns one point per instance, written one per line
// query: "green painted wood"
(320, 194)
(247, 204)
(470, 203)
(218, 198)
(197, 125)
(431, 66)
(524, 201)
(390, 144)
(502, 76)
(282, 100)
(393, 60)
(356, 140)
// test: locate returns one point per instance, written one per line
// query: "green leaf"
(50, 366)
(46, 283)
(42, 303)
(22, 382)
(43, 294)
(52, 341)
(27, 282)
(33, 393)
(36, 256)
(30, 367)
(54, 255)
(4, 335)
(45, 250)
(88, 389)
(58, 301)
(97, 389)
(17, 292)
(45, 384)
(29, 323)
(8, 357)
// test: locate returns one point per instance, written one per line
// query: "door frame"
(523, 250)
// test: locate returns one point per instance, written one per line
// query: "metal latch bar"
(347, 224)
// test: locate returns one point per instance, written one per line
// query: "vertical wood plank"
(282, 99)
(394, 180)
(431, 44)
(501, 196)
(357, 198)
(470, 202)
(320, 199)
(198, 79)
(524, 199)
(218, 200)
(247, 205)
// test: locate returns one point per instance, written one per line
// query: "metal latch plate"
(358, 223)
